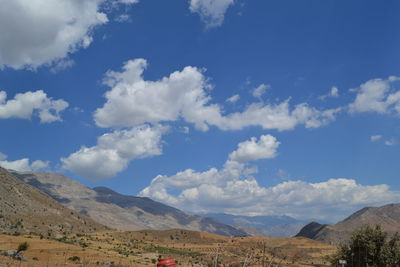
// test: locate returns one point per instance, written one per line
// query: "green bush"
(23, 246)
(369, 246)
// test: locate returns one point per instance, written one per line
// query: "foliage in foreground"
(369, 246)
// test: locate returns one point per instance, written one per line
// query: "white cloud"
(123, 18)
(390, 142)
(259, 91)
(39, 32)
(377, 95)
(233, 99)
(334, 92)
(23, 165)
(114, 151)
(375, 138)
(275, 116)
(25, 105)
(253, 149)
(211, 12)
(39, 165)
(233, 190)
(185, 94)
(185, 129)
(62, 65)
(46, 32)
(133, 101)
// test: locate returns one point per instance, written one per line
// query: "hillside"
(128, 213)
(388, 217)
(24, 209)
(274, 226)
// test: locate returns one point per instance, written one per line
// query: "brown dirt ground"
(142, 248)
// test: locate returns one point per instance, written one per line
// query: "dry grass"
(142, 248)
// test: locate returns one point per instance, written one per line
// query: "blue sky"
(244, 107)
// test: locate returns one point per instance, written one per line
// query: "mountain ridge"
(123, 212)
(25, 209)
(387, 216)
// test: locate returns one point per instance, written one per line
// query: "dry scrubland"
(142, 248)
(24, 209)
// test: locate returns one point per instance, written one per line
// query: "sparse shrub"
(83, 244)
(74, 258)
(23, 246)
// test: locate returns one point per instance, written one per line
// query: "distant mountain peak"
(387, 216)
(269, 225)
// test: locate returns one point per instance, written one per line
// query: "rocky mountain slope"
(24, 209)
(122, 212)
(274, 226)
(388, 217)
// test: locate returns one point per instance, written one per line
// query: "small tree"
(369, 246)
(393, 251)
(23, 246)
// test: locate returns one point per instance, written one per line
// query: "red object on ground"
(166, 262)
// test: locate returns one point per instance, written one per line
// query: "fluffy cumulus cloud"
(185, 95)
(254, 149)
(233, 190)
(42, 32)
(26, 105)
(279, 116)
(45, 32)
(211, 12)
(114, 151)
(377, 95)
(23, 165)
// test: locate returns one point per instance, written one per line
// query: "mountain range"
(274, 226)
(388, 217)
(122, 212)
(53, 204)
